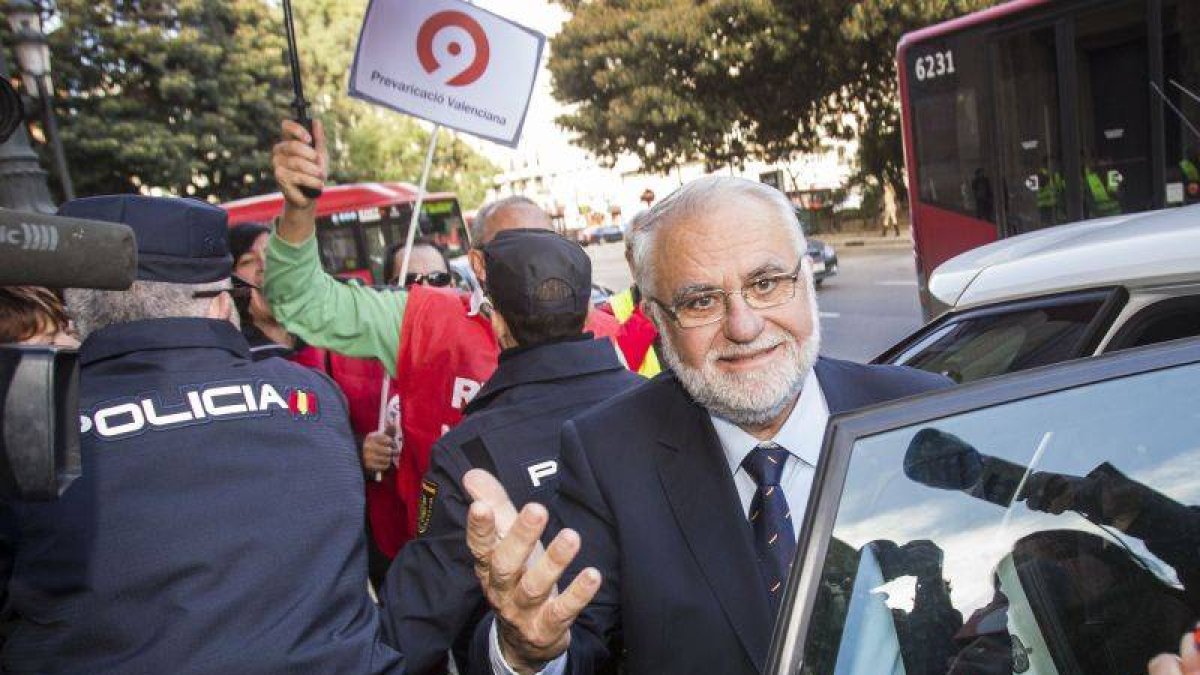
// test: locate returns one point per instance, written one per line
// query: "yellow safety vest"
(623, 307)
(1104, 203)
(1189, 170)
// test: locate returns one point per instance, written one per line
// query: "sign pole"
(413, 223)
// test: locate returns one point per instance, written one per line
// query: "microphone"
(42, 250)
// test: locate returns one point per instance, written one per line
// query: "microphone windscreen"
(58, 252)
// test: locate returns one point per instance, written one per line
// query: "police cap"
(534, 272)
(179, 240)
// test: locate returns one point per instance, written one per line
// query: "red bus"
(1035, 113)
(356, 223)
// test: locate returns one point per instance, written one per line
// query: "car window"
(979, 345)
(1167, 320)
(1052, 534)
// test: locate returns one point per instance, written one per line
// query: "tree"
(186, 96)
(676, 81)
(175, 94)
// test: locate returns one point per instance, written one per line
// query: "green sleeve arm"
(349, 319)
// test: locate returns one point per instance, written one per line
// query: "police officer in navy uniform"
(215, 528)
(549, 371)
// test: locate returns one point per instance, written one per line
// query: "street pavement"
(869, 306)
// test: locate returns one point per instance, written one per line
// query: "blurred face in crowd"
(426, 266)
(249, 268)
(51, 335)
(251, 263)
(511, 217)
(748, 366)
(31, 315)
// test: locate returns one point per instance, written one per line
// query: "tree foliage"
(186, 95)
(677, 81)
(169, 93)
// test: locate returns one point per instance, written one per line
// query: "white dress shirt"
(801, 435)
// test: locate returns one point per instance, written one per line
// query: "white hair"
(695, 198)
(93, 309)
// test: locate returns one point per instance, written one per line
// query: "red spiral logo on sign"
(434, 25)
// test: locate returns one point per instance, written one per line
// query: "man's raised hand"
(533, 619)
(298, 161)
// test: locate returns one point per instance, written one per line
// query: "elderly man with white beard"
(682, 498)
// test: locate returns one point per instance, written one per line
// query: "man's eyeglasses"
(702, 308)
(428, 278)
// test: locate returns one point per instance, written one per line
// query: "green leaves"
(186, 96)
(168, 95)
(725, 81)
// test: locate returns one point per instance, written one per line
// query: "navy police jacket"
(431, 596)
(217, 527)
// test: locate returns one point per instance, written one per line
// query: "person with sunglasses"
(427, 265)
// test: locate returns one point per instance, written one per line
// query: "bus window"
(377, 246)
(1032, 181)
(440, 222)
(1181, 70)
(339, 252)
(947, 80)
(1114, 127)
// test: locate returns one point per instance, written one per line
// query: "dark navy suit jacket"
(647, 486)
(512, 427)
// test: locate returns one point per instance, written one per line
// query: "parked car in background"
(822, 256)
(1075, 290)
(824, 260)
(585, 235)
(599, 234)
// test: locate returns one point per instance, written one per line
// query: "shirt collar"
(158, 334)
(796, 434)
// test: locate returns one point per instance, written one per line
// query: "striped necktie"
(771, 518)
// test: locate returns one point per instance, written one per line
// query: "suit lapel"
(696, 479)
(839, 394)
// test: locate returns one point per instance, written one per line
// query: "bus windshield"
(357, 224)
(358, 240)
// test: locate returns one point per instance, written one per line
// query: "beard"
(753, 398)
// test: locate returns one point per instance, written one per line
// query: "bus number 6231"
(934, 65)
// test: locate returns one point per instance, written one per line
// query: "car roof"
(1140, 250)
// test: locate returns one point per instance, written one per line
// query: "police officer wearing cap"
(549, 370)
(215, 528)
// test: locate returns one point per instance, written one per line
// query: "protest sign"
(448, 62)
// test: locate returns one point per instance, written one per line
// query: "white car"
(1075, 290)
(1044, 522)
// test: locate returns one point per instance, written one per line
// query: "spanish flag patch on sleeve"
(303, 403)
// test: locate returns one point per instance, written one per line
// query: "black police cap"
(523, 264)
(179, 240)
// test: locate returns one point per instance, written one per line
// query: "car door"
(1045, 522)
(1008, 337)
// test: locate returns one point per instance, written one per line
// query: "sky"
(540, 133)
